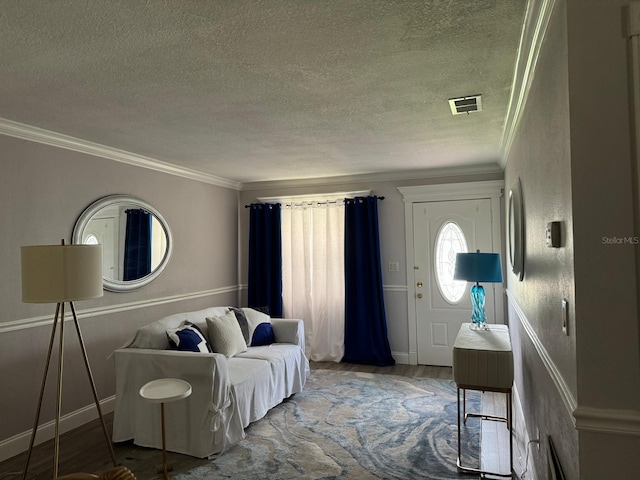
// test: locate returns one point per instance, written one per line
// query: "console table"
(162, 391)
(483, 360)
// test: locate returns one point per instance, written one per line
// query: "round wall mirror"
(135, 238)
(516, 231)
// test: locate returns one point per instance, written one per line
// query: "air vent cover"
(468, 104)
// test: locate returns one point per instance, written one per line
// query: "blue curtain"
(137, 245)
(265, 258)
(365, 340)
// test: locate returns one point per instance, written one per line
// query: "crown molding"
(533, 34)
(48, 137)
(479, 169)
(60, 140)
(452, 191)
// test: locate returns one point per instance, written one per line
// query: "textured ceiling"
(265, 89)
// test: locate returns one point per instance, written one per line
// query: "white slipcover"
(227, 395)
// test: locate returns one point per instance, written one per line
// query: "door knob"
(419, 295)
(419, 284)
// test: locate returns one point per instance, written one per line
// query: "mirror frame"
(515, 217)
(111, 200)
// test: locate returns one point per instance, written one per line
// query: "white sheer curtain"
(313, 275)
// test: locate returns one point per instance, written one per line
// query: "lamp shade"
(478, 267)
(61, 273)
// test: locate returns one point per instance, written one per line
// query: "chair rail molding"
(111, 309)
(568, 399)
(585, 418)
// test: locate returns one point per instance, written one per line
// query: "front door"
(441, 229)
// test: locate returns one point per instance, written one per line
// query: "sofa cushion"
(188, 338)
(251, 381)
(225, 335)
(260, 329)
(154, 335)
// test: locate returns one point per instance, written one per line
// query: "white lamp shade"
(61, 273)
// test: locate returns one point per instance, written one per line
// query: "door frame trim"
(492, 190)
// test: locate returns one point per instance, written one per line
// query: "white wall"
(43, 190)
(608, 353)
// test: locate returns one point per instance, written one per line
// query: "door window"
(449, 241)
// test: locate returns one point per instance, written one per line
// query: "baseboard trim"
(563, 388)
(19, 443)
(111, 309)
(401, 358)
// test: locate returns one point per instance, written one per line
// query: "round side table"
(162, 391)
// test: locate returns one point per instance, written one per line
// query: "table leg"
(458, 410)
(464, 405)
(164, 445)
(508, 419)
(510, 427)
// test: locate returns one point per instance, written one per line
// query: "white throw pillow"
(225, 335)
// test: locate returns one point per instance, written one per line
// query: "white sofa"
(227, 393)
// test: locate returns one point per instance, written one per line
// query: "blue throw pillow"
(262, 335)
(188, 338)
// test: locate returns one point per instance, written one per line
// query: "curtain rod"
(311, 202)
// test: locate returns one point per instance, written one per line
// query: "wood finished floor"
(84, 449)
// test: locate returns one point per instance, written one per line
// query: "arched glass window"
(449, 241)
(91, 240)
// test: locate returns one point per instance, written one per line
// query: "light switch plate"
(394, 267)
(553, 234)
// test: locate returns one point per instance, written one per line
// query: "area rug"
(353, 425)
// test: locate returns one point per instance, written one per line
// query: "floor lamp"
(60, 274)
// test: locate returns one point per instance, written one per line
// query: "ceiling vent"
(472, 103)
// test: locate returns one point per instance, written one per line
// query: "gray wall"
(392, 240)
(43, 190)
(608, 346)
(544, 170)
(571, 153)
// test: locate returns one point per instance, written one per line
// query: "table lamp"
(478, 267)
(60, 274)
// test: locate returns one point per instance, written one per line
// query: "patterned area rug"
(353, 425)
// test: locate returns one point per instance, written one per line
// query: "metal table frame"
(508, 419)
(483, 361)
